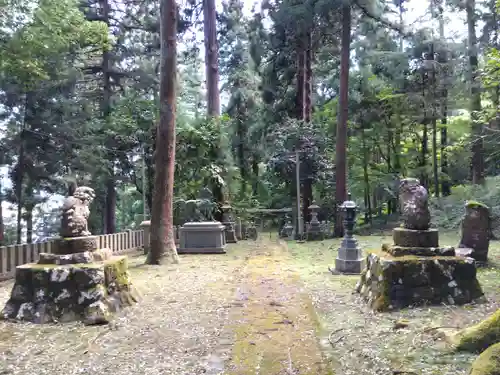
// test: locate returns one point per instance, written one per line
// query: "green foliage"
(53, 28)
(447, 212)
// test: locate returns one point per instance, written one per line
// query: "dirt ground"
(264, 308)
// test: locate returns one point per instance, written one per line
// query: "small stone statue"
(413, 199)
(75, 213)
(191, 211)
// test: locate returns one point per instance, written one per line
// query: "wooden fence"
(15, 255)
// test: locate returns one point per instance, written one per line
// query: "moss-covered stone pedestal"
(90, 291)
(416, 271)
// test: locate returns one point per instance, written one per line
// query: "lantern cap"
(313, 206)
(348, 203)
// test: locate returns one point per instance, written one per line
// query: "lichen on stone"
(55, 293)
(480, 336)
(488, 363)
(396, 282)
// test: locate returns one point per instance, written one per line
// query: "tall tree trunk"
(29, 224)
(19, 191)
(341, 141)
(433, 101)
(477, 162)
(212, 79)
(211, 58)
(28, 115)
(366, 179)
(162, 219)
(443, 62)
(308, 78)
(424, 146)
(2, 228)
(241, 155)
(110, 208)
(495, 44)
(255, 176)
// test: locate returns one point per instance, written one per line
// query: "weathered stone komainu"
(76, 282)
(415, 269)
(75, 213)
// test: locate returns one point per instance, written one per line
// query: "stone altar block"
(415, 270)
(202, 238)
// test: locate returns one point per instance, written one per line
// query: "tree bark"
(2, 228)
(211, 58)
(255, 176)
(29, 224)
(110, 206)
(433, 97)
(163, 247)
(366, 179)
(424, 145)
(213, 95)
(477, 162)
(341, 142)
(443, 60)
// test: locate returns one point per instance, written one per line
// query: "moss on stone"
(116, 270)
(488, 363)
(395, 282)
(473, 204)
(91, 292)
(480, 336)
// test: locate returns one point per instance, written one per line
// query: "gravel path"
(198, 317)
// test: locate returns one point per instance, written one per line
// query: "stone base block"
(354, 267)
(415, 238)
(313, 235)
(49, 293)
(230, 236)
(399, 251)
(72, 245)
(395, 282)
(251, 233)
(230, 232)
(201, 250)
(76, 258)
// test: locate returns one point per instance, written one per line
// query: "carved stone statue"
(413, 200)
(75, 213)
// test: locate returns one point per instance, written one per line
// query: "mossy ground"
(379, 348)
(276, 326)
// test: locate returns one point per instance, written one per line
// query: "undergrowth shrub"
(447, 212)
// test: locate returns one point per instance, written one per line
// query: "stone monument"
(415, 270)
(76, 282)
(475, 231)
(205, 237)
(350, 258)
(228, 222)
(314, 231)
(288, 231)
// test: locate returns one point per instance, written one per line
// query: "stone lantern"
(228, 222)
(288, 231)
(314, 231)
(350, 257)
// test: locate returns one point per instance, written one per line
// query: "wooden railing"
(15, 255)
